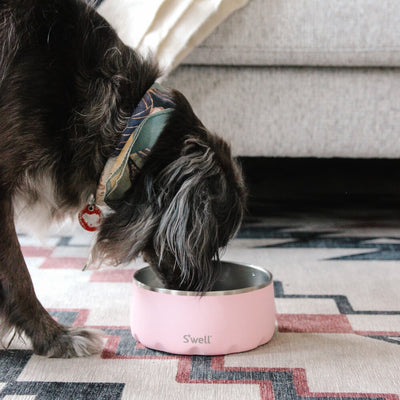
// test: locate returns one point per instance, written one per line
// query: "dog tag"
(90, 217)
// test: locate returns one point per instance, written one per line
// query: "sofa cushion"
(306, 32)
(298, 112)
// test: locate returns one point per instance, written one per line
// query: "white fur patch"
(36, 207)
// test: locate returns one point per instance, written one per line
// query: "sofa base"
(314, 185)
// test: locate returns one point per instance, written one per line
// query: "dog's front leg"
(19, 307)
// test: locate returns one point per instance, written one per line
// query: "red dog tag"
(90, 217)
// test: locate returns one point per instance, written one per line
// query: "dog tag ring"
(90, 217)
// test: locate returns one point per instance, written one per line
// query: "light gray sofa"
(301, 78)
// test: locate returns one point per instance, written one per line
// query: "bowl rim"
(176, 292)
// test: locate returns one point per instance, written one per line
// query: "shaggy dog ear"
(173, 224)
(178, 218)
(190, 232)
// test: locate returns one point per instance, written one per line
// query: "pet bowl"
(238, 314)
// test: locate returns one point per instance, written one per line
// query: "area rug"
(337, 288)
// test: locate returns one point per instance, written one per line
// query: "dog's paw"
(73, 342)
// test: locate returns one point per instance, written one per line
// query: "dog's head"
(183, 207)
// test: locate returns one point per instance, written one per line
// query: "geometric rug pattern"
(337, 290)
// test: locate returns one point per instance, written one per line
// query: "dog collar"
(144, 128)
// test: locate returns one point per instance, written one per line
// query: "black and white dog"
(68, 89)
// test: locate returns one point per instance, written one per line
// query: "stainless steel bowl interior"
(234, 278)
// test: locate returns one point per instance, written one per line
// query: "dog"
(68, 90)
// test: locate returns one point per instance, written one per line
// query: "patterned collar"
(144, 128)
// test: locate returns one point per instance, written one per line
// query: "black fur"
(68, 86)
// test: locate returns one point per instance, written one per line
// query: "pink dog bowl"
(238, 314)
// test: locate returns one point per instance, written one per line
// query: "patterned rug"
(337, 287)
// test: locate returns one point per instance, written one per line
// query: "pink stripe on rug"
(314, 323)
(33, 251)
(113, 275)
(64, 263)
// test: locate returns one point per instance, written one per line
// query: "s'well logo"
(195, 339)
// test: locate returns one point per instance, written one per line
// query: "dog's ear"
(189, 233)
(178, 218)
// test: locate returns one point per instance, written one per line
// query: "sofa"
(304, 78)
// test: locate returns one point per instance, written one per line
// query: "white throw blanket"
(169, 29)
